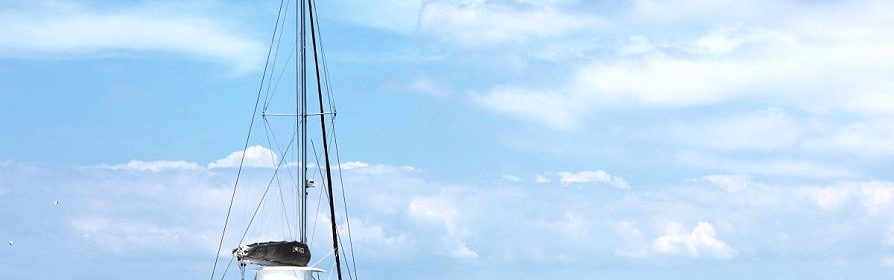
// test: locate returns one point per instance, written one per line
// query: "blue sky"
(523, 139)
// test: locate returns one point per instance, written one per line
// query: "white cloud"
(71, 31)
(790, 167)
(721, 42)
(598, 176)
(873, 196)
(632, 241)
(255, 156)
(700, 242)
(435, 210)
(511, 178)
(548, 108)
(732, 183)
(124, 237)
(89, 225)
(876, 195)
(442, 212)
(764, 130)
(541, 179)
(781, 167)
(888, 262)
(427, 85)
(353, 165)
(482, 24)
(688, 10)
(399, 16)
(462, 250)
(660, 80)
(794, 63)
(777, 129)
(365, 233)
(828, 198)
(363, 168)
(870, 139)
(742, 212)
(573, 226)
(153, 166)
(653, 78)
(889, 238)
(458, 220)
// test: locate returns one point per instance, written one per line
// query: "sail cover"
(284, 253)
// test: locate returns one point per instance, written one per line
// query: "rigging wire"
(321, 259)
(277, 43)
(348, 267)
(331, 99)
(327, 80)
(282, 73)
(324, 65)
(328, 88)
(292, 176)
(320, 197)
(326, 192)
(341, 249)
(227, 270)
(260, 203)
(343, 197)
(245, 146)
(266, 190)
(316, 157)
(278, 182)
(325, 145)
(271, 91)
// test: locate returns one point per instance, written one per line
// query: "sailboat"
(290, 259)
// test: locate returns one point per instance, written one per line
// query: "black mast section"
(313, 36)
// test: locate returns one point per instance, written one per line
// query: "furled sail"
(282, 253)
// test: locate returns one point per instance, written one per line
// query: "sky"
(513, 139)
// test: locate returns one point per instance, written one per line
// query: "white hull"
(286, 273)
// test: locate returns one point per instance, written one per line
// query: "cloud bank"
(72, 31)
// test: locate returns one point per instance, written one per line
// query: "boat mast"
(302, 99)
(313, 36)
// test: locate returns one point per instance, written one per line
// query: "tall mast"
(302, 99)
(313, 36)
